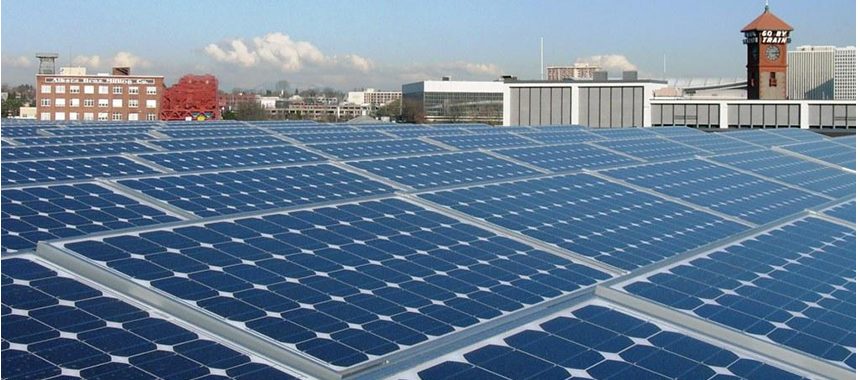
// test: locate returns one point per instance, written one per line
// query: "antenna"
(766, 5)
(541, 59)
(664, 66)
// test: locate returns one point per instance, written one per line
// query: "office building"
(577, 71)
(372, 96)
(446, 101)
(810, 72)
(845, 73)
(74, 95)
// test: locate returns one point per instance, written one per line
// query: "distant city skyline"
(383, 44)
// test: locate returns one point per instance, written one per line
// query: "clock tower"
(767, 39)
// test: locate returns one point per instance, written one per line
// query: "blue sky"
(385, 43)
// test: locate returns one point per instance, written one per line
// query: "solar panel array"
(307, 250)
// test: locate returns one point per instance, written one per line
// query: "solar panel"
(19, 131)
(793, 285)
(54, 325)
(489, 129)
(562, 137)
(826, 151)
(650, 149)
(443, 169)
(40, 171)
(429, 132)
(316, 128)
(101, 130)
(370, 149)
(721, 189)
(311, 138)
(590, 216)
(846, 211)
(343, 284)
(676, 131)
(850, 140)
(622, 133)
(487, 141)
(567, 157)
(212, 132)
(796, 171)
(598, 340)
(716, 143)
(760, 137)
(797, 134)
(76, 139)
(229, 192)
(231, 157)
(218, 142)
(34, 214)
(56, 151)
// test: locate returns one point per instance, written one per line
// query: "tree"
(228, 115)
(250, 111)
(12, 105)
(392, 109)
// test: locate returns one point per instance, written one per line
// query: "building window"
(772, 81)
(116, 103)
(45, 116)
(46, 89)
(74, 102)
(89, 103)
(88, 116)
(73, 116)
(103, 116)
(74, 89)
(59, 116)
(89, 90)
(46, 102)
(132, 116)
(59, 102)
(103, 89)
(132, 103)
(133, 90)
(150, 103)
(117, 90)
(116, 116)
(60, 89)
(103, 102)
(150, 90)
(150, 117)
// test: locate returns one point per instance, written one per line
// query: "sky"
(385, 43)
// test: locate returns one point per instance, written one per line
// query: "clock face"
(772, 53)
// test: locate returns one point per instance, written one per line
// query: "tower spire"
(766, 5)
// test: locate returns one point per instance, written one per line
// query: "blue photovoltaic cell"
(229, 192)
(388, 127)
(676, 131)
(794, 286)
(760, 137)
(622, 133)
(56, 151)
(54, 325)
(598, 342)
(371, 149)
(488, 141)
(345, 283)
(83, 139)
(35, 214)
(562, 136)
(721, 189)
(102, 130)
(316, 128)
(651, 149)
(716, 143)
(444, 169)
(796, 171)
(850, 140)
(18, 131)
(567, 157)
(212, 132)
(311, 138)
(846, 211)
(826, 151)
(586, 215)
(40, 171)
(231, 157)
(218, 142)
(429, 132)
(486, 129)
(798, 134)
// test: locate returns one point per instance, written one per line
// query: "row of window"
(117, 90)
(101, 116)
(132, 103)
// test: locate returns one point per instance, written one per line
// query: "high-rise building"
(577, 71)
(767, 39)
(822, 73)
(118, 96)
(844, 74)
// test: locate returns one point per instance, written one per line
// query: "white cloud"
(16, 61)
(125, 58)
(457, 69)
(609, 62)
(93, 61)
(281, 51)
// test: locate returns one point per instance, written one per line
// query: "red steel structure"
(194, 97)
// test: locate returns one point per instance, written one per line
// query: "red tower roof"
(767, 21)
